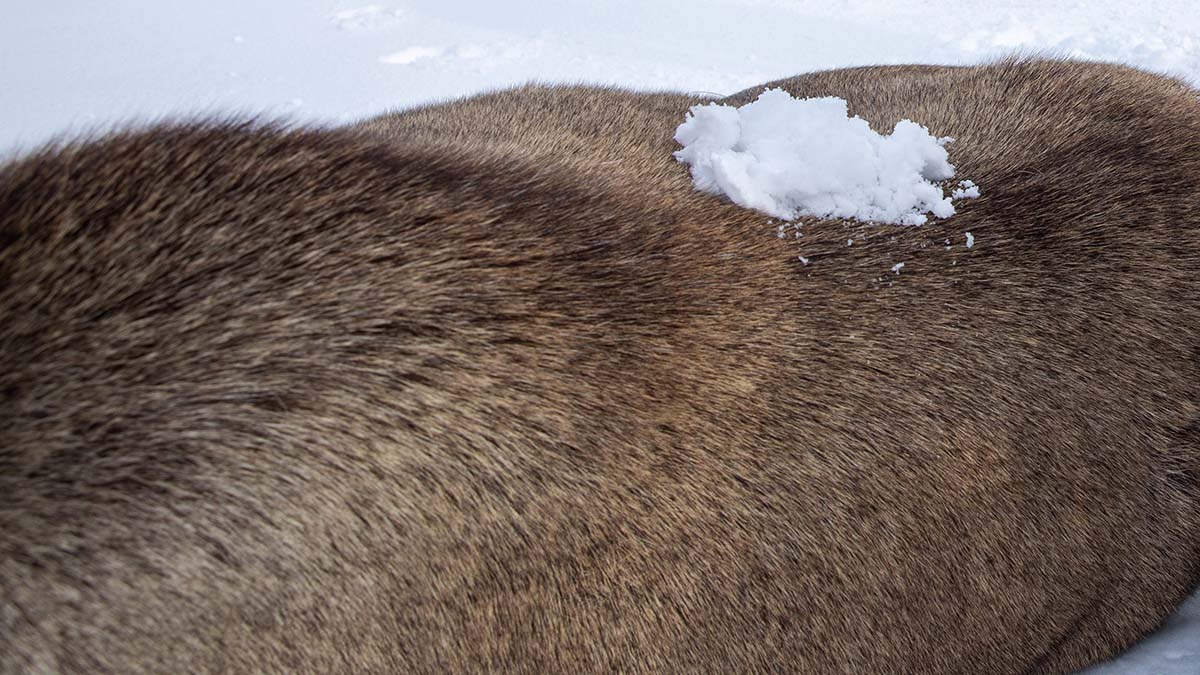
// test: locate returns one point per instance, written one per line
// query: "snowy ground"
(71, 65)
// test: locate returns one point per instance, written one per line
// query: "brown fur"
(488, 386)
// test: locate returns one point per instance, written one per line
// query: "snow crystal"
(897, 267)
(970, 240)
(792, 157)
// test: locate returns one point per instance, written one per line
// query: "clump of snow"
(792, 157)
(966, 190)
(897, 267)
(970, 240)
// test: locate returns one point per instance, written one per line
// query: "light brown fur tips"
(487, 386)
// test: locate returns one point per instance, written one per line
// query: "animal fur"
(487, 386)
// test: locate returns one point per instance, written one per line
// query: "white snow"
(410, 55)
(82, 65)
(897, 267)
(791, 157)
(966, 190)
(367, 17)
(970, 240)
(72, 66)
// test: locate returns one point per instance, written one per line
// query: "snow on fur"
(791, 157)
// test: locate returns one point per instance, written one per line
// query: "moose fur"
(488, 386)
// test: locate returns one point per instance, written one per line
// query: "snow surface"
(70, 66)
(77, 65)
(790, 157)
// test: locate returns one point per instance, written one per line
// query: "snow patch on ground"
(369, 17)
(410, 55)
